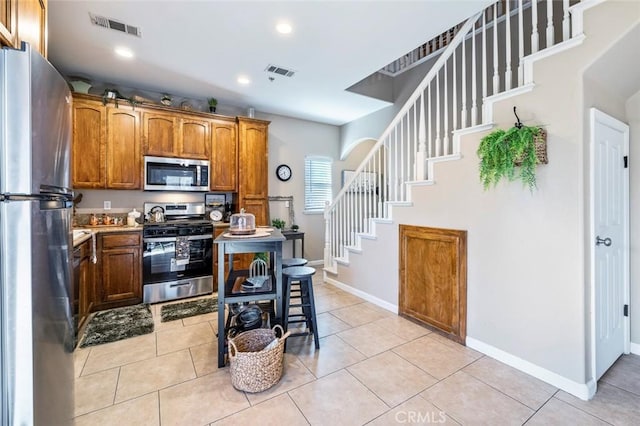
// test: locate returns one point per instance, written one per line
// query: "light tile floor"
(373, 367)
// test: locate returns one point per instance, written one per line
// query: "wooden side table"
(295, 235)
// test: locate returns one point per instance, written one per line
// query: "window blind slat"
(317, 183)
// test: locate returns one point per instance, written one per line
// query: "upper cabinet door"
(8, 22)
(253, 160)
(195, 139)
(123, 148)
(32, 27)
(160, 134)
(224, 156)
(89, 148)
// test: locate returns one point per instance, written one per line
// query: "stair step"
(342, 261)
(381, 220)
(368, 236)
(399, 203)
(420, 182)
(354, 249)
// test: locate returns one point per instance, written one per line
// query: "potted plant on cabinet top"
(213, 103)
(501, 151)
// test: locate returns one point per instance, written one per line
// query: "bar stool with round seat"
(304, 275)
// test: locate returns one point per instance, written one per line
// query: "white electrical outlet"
(107, 205)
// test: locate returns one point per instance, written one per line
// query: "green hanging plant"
(501, 151)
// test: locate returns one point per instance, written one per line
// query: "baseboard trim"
(363, 295)
(584, 391)
(635, 348)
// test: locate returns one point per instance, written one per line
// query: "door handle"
(605, 241)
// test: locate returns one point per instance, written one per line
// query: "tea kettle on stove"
(156, 214)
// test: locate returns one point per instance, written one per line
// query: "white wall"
(527, 276)
(633, 118)
(290, 140)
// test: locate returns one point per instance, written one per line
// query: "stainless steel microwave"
(175, 174)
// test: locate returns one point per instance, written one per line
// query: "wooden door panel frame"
(457, 241)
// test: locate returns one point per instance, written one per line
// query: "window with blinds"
(317, 183)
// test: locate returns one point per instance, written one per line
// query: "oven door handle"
(200, 237)
(180, 284)
(160, 240)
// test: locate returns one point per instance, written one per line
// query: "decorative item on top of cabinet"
(213, 103)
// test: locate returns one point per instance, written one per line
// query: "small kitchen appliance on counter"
(177, 257)
(215, 207)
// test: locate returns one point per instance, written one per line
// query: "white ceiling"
(197, 49)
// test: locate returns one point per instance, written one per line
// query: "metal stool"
(302, 274)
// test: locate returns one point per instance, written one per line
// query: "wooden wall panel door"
(123, 149)
(433, 276)
(224, 156)
(32, 27)
(8, 22)
(195, 140)
(160, 134)
(89, 148)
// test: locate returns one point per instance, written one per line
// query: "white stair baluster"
(463, 118)
(520, 43)
(454, 109)
(550, 27)
(496, 75)
(566, 26)
(422, 143)
(445, 116)
(535, 38)
(429, 139)
(437, 117)
(474, 80)
(507, 52)
(484, 62)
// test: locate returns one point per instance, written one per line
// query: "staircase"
(489, 58)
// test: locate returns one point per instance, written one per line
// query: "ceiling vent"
(112, 24)
(279, 70)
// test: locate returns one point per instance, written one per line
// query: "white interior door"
(610, 238)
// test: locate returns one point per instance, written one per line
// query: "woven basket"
(252, 368)
(540, 142)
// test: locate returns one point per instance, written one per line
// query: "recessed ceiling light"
(284, 28)
(243, 80)
(124, 52)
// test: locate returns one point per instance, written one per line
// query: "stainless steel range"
(178, 252)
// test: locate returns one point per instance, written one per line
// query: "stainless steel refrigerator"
(36, 327)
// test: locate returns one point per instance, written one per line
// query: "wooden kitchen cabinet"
(106, 146)
(175, 135)
(123, 148)
(224, 156)
(83, 287)
(253, 187)
(120, 269)
(89, 144)
(24, 20)
(32, 24)
(8, 22)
